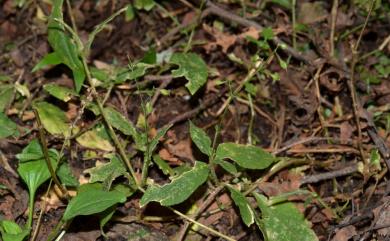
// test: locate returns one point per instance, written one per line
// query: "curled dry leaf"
(345, 233)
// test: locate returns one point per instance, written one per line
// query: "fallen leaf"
(312, 12)
(221, 39)
(345, 233)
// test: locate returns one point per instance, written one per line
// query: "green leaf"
(119, 122)
(32, 151)
(201, 139)
(136, 71)
(60, 92)
(243, 205)
(283, 222)
(153, 143)
(179, 189)
(227, 166)
(144, 4)
(192, 67)
(107, 173)
(34, 174)
(10, 231)
(66, 176)
(283, 3)
(91, 200)
(8, 127)
(63, 46)
(6, 92)
(49, 59)
(150, 57)
(250, 157)
(97, 138)
(129, 14)
(267, 33)
(163, 165)
(53, 118)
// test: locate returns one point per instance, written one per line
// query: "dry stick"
(163, 85)
(204, 105)
(216, 10)
(301, 141)
(205, 204)
(351, 83)
(37, 227)
(333, 26)
(329, 175)
(201, 225)
(384, 150)
(294, 21)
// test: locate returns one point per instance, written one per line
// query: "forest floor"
(320, 103)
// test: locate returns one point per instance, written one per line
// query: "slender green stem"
(214, 176)
(145, 166)
(94, 93)
(252, 117)
(111, 131)
(247, 78)
(46, 156)
(31, 199)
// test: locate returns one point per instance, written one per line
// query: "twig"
(38, 225)
(351, 83)
(333, 26)
(329, 175)
(294, 33)
(258, 110)
(201, 225)
(301, 141)
(163, 85)
(383, 149)
(204, 105)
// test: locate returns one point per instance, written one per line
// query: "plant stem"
(46, 156)
(111, 131)
(30, 209)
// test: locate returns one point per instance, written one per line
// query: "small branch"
(163, 85)
(333, 26)
(294, 33)
(329, 175)
(202, 225)
(351, 83)
(204, 105)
